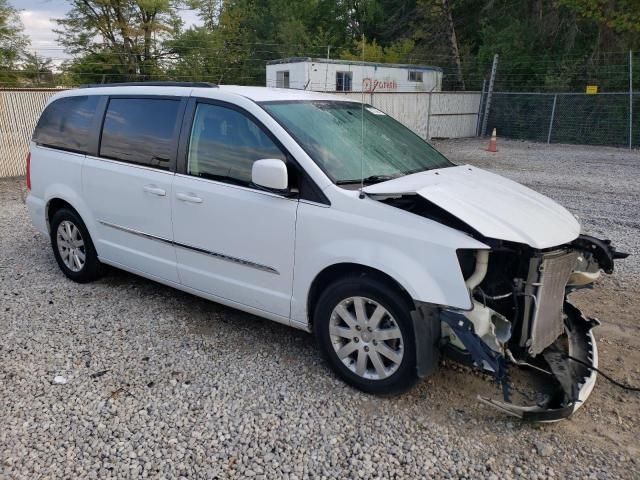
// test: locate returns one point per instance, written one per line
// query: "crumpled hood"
(493, 205)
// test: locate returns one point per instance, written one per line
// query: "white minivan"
(325, 214)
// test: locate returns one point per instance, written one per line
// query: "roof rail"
(151, 84)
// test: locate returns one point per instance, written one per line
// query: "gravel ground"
(157, 383)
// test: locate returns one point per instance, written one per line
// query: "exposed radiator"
(544, 299)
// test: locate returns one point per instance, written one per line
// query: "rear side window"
(141, 131)
(66, 123)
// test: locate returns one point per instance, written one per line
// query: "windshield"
(331, 132)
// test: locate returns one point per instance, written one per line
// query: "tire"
(394, 334)
(77, 259)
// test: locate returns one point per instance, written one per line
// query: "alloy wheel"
(71, 246)
(366, 338)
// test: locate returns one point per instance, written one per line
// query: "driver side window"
(224, 143)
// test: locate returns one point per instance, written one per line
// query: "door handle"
(188, 197)
(154, 190)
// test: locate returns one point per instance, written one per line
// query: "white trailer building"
(325, 75)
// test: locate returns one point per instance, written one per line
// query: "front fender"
(414, 255)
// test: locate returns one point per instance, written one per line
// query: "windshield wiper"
(367, 180)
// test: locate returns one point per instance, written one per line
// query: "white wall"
(454, 114)
(297, 74)
(321, 77)
(430, 115)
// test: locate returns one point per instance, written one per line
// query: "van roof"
(257, 94)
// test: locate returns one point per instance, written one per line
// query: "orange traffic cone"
(493, 146)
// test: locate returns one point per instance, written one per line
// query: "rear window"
(66, 123)
(140, 130)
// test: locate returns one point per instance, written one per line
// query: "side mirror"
(270, 173)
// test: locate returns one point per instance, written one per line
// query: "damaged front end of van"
(520, 315)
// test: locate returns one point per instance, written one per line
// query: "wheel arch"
(61, 196)
(336, 271)
(53, 205)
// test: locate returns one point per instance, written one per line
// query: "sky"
(37, 17)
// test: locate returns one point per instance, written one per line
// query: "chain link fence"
(598, 105)
(589, 119)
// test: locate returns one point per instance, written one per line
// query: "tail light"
(29, 171)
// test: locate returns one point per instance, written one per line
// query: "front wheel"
(365, 330)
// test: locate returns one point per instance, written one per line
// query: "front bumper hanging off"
(571, 381)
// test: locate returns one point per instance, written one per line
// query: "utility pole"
(479, 121)
(487, 107)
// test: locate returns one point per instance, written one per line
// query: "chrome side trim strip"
(221, 256)
(137, 232)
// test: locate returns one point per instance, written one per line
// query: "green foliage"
(37, 70)
(543, 44)
(129, 32)
(397, 52)
(240, 36)
(621, 16)
(99, 67)
(13, 43)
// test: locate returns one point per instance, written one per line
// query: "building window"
(343, 81)
(415, 76)
(282, 79)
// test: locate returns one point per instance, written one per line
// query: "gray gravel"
(160, 384)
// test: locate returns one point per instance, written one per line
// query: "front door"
(232, 239)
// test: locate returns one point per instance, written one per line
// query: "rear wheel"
(365, 330)
(73, 248)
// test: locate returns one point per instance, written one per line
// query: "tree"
(130, 31)
(451, 30)
(212, 56)
(219, 54)
(395, 53)
(208, 11)
(240, 36)
(37, 69)
(543, 44)
(438, 32)
(617, 20)
(13, 43)
(100, 67)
